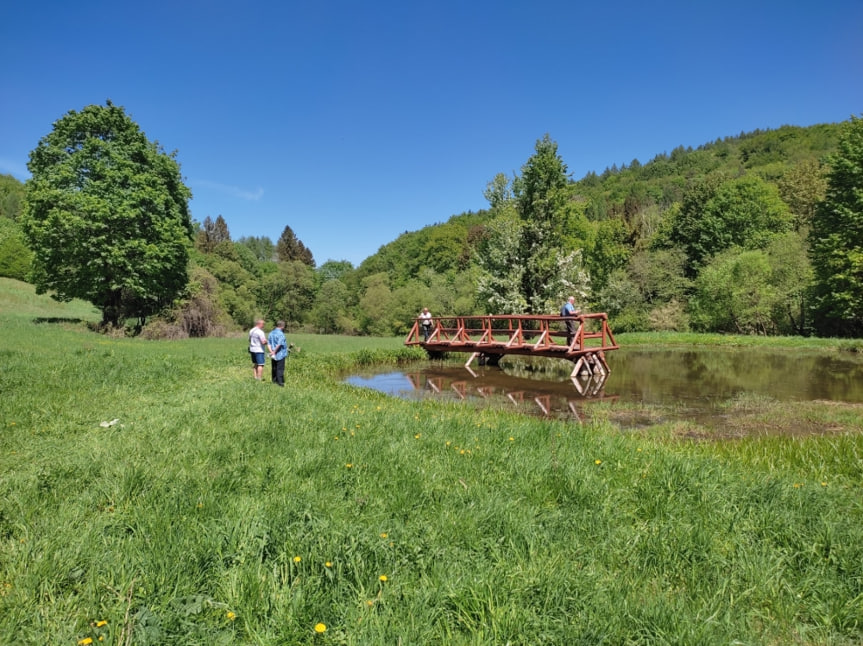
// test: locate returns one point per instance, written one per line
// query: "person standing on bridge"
(426, 323)
(570, 311)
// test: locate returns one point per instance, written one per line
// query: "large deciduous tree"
(717, 215)
(836, 239)
(106, 214)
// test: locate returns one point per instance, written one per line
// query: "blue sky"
(355, 122)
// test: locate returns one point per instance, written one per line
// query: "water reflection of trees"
(712, 373)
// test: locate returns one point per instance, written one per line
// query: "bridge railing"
(515, 333)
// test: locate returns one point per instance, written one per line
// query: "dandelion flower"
(382, 578)
(512, 439)
(417, 436)
(597, 461)
(370, 603)
(348, 465)
(297, 559)
(328, 564)
(320, 628)
(85, 641)
(231, 615)
(101, 623)
(383, 534)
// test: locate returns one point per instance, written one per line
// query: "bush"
(670, 317)
(198, 315)
(15, 257)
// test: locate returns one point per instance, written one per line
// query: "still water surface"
(691, 382)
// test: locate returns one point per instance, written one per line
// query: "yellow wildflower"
(101, 623)
(231, 615)
(382, 578)
(597, 461)
(320, 628)
(85, 641)
(297, 559)
(328, 564)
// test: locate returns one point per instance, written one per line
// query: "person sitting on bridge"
(570, 311)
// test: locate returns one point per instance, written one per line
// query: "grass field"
(154, 493)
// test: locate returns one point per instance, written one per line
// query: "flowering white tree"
(528, 259)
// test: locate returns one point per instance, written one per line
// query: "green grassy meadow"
(153, 493)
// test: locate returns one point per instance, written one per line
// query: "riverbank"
(155, 487)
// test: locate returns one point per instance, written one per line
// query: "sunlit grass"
(669, 339)
(221, 510)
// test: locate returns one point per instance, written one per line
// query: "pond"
(682, 383)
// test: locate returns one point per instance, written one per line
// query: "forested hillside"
(737, 235)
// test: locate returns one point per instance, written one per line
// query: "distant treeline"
(748, 234)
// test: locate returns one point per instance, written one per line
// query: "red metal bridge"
(539, 335)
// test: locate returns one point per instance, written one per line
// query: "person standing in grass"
(278, 352)
(257, 341)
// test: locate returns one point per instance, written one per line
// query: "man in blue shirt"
(278, 352)
(570, 312)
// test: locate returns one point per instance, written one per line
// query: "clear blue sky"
(353, 122)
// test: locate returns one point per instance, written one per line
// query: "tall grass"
(216, 509)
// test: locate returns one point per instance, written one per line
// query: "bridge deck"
(524, 334)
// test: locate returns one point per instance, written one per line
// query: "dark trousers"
(278, 366)
(570, 331)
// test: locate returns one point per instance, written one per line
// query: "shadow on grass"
(39, 320)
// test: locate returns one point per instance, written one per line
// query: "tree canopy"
(106, 214)
(837, 238)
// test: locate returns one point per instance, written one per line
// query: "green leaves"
(836, 238)
(106, 215)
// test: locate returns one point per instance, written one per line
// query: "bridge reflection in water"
(494, 388)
